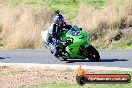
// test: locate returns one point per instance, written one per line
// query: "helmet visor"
(60, 22)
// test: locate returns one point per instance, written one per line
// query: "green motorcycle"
(77, 45)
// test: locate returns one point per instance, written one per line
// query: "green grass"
(75, 85)
(121, 2)
(129, 47)
(115, 46)
(96, 3)
(68, 85)
(68, 7)
(121, 46)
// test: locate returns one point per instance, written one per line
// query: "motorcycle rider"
(55, 30)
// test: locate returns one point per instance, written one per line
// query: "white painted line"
(63, 66)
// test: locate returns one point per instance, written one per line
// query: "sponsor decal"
(82, 78)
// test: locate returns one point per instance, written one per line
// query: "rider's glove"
(55, 41)
(63, 43)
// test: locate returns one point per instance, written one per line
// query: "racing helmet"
(58, 18)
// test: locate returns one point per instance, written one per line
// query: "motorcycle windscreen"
(74, 31)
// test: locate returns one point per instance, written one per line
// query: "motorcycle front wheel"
(92, 54)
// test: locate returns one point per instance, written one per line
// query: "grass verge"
(75, 85)
(109, 22)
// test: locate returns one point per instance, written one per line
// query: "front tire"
(92, 54)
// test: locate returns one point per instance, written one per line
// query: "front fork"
(83, 49)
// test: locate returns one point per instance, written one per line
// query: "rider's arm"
(54, 31)
(67, 26)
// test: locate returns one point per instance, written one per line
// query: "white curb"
(61, 66)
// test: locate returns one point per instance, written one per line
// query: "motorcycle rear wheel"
(63, 59)
(64, 56)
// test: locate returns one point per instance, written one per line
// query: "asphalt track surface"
(109, 58)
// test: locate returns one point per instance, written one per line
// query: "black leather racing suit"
(54, 32)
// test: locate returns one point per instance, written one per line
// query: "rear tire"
(64, 56)
(62, 59)
(93, 54)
